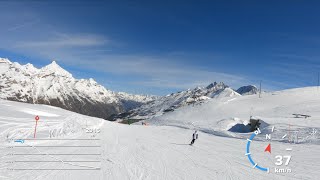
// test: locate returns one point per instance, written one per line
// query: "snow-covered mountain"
(55, 86)
(224, 116)
(174, 101)
(247, 90)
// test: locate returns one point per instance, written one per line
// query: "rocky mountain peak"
(5, 60)
(247, 90)
(216, 85)
(54, 68)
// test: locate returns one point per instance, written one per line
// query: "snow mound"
(38, 113)
(239, 126)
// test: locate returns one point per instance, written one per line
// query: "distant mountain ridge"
(53, 85)
(174, 101)
(247, 90)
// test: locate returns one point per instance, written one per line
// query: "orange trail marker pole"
(35, 127)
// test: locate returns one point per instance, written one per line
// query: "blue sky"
(150, 47)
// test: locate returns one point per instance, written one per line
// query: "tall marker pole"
(35, 127)
(260, 90)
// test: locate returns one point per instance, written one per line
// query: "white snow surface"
(38, 113)
(162, 152)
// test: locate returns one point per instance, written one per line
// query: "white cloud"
(161, 72)
(22, 25)
(65, 40)
(33, 37)
(158, 72)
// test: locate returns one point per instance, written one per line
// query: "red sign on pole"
(35, 127)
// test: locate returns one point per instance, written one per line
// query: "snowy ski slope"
(73, 146)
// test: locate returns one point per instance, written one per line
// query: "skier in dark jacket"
(194, 137)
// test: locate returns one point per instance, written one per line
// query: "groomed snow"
(40, 113)
(162, 152)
